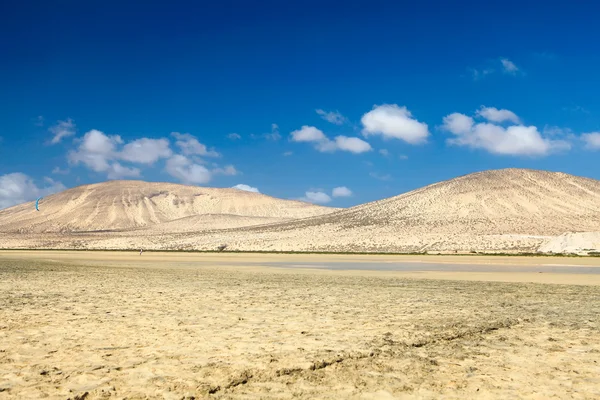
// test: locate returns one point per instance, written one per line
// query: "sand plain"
(189, 326)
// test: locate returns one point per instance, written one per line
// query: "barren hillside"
(123, 204)
(504, 210)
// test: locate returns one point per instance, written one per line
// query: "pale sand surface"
(171, 326)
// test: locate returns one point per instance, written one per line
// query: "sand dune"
(118, 205)
(509, 210)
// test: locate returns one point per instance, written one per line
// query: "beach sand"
(183, 326)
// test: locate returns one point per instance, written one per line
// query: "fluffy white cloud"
(308, 134)
(316, 197)
(492, 114)
(458, 123)
(513, 140)
(332, 116)
(592, 140)
(190, 145)
(352, 144)
(392, 121)
(341, 191)
(95, 150)
(145, 151)
(234, 136)
(246, 188)
(17, 188)
(322, 143)
(384, 152)
(188, 172)
(509, 66)
(61, 130)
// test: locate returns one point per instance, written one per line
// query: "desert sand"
(498, 211)
(95, 325)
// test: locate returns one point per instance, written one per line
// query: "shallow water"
(407, 266)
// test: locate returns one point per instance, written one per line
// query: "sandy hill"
(508, 209)
(130, 204)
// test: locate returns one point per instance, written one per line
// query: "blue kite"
(37, 202)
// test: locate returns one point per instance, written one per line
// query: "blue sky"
(226, 93)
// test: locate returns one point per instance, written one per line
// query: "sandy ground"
(178, 326)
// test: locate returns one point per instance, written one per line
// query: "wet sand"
(111, 327)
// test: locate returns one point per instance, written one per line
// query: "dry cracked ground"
(89, 332)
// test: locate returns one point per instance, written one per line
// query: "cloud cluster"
(517, 139)
(320, 197)
(103, 153)
(310, 134)
(17, 188)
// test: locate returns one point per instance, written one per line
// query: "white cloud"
(190, 145)
(288, 153)
(17, 188)
(246, 188)
(592, 140)
(228, 170)
(61, 130)
(458, 123)
(332, 116)
(392, 121)
(316, 197)
(117, 171)
(494, 115)
(145, 151)
(188, 172)
(403, 157)
(341, 191)
(352, 144)
(509, 66)
(95, 150)
(310, 134)
(513, 140)
(384, 152)
(234, 136)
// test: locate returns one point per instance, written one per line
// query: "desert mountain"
(130, 204)
(508, 209)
